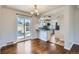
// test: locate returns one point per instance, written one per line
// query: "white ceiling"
(28, 8)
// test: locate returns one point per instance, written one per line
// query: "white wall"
(0, 24)
(35, 21)
(76, 40)
(8, 26)
(73, 27)
(69, 14)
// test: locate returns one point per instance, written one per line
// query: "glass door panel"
(27, 28)
(20, 27)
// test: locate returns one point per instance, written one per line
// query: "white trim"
(69, 47)
(34, 37)
(6, 44)
(3, 45)
(76, 43)
(14, 42)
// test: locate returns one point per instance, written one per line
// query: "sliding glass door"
(27, 29)
(23, 27)
(20, 27)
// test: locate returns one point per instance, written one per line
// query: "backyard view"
(23, 27)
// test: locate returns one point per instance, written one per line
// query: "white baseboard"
(13, 43)
(5, 45)
(34, 37)
(69, 46)
(76, 43)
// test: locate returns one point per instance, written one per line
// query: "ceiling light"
(35, 11)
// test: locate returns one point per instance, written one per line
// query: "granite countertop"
(44, 30)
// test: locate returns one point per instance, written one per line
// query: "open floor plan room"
(39, 29)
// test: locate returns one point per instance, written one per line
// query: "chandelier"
(35, 11)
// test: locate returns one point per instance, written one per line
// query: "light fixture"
(35, 11)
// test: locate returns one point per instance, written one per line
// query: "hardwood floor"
(11, 49)
(38, 46)
(46, 47)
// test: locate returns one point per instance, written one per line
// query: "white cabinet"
(44, 35)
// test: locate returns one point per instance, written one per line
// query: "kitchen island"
(44, 34)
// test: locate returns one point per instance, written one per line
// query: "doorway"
(23, 28)
(58, 23)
